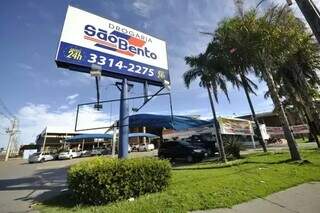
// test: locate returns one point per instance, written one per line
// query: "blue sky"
(41, 94)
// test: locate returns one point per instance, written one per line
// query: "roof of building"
(259, 115)
(89, 136)
(108, 136)
(142, 134)
(165, 121)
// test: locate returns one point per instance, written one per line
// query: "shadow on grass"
(64, 199)
(243, 162)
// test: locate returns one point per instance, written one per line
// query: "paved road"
(304, 198)
(22, 184)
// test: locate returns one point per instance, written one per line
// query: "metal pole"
(123, 121)
(253, 143)
(114, 141)
(144, 138)
(8, 148)
(145, 90)
(260, 138)
(44, 141)
(171, 110)
(82, 144)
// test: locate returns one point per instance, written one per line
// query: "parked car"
(97, 151)
(178, 150)
(40, 157)
(69, 154)
(205, 141)
(85, 153)
(146, 147)
(135, 148)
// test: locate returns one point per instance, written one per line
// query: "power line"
(6, 116)
(6, 108)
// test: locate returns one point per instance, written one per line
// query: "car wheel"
(42, 160)
(189, 159)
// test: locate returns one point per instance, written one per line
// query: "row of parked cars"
(40, 157)
(69, 154)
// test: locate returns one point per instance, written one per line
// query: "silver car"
(69, 154)
(40, 157)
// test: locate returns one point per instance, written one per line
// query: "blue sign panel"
(81, 59)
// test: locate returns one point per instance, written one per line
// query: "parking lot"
(22, 184)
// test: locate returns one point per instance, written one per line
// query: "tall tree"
(271, 38)
(211, 78)
(232, 46)
(299, 83)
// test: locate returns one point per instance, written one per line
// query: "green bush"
(232, 147)
(103, 180)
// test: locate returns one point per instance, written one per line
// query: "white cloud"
(72, 98)
(25, 66)
(63, 107)
(35, 117)
(143, 7)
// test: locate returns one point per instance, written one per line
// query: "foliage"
(213, 74)
(206, 185)
(232, 147)
(103, 180)
(262, 43)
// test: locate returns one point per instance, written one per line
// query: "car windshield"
(186, 144)
(37, 154)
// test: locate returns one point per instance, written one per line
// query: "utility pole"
(311, 14)
(12, 136)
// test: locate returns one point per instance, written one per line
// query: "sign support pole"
(124, 121)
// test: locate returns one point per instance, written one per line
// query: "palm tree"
(211, 78)
(299, 81)
(238, 61)
(263, 44)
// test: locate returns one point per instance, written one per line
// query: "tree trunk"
(295, 155)
(245, 84)
(312, 129)
(217, 128)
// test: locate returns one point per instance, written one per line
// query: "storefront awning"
(89, 136)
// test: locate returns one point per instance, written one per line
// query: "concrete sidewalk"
(304, 198)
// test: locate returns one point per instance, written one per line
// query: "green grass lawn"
(209, 185)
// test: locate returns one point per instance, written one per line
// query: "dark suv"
(177, 150)
(204, 141)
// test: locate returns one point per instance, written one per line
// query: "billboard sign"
(186, 133)
(296, 129)
(235, 126)
(88, 41)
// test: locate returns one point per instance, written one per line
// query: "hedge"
(102, 180)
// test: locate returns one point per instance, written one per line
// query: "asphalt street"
(23, 184)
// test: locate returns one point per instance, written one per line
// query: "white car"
(146, 147)
(40, 157)
(96, 151)
(69, 154)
